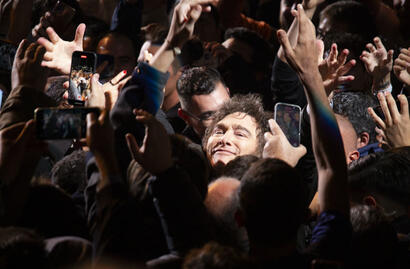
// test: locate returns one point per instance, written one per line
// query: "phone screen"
(53, 123)
(82, 68)
(288, 118)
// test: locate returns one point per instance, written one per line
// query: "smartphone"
(82, 68)
(288, 118)
(105, 67)
(56, 123)
(62, 15)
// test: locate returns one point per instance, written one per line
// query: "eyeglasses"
(209, 115)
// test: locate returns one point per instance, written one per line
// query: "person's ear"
(363, 139)
(369, 200)
(239, 218)
(182, 114)
(353, 156)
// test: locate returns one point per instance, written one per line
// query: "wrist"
(382, 84)
(107, 163)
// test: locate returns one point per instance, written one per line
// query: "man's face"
(121, 49)
(205, 105)
(235, 135)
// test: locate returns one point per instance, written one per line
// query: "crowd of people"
(185, 165)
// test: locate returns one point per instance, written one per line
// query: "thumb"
(301, 150)
(79, 34)
(284, 41)
(320, 49)
(133, 147)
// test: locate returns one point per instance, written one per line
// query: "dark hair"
(374, 240)
(249, 104)
(353, 15)
(197, 81)
(272, 199)
(69, 172)
(238, 166)
(387, 172)
(263, 55)
(21, 248)
(56, 89)
(353, 105)
(215, 256)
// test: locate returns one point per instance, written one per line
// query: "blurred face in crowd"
(199, 113)
(121, 48)
(233, 136)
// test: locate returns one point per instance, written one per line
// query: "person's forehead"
(239, 119)
(209, 102)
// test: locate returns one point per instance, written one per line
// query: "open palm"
(59, 52)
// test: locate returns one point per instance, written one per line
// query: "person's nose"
(226, 139)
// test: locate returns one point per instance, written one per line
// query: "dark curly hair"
(250, 104)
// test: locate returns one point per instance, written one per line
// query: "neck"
(170, 101)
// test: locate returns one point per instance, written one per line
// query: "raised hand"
(27, 70)
(334, 67)
(59, 52)
(402, 66)
(97, 98)
(303, 55)
(155, 153)
(18, 145)
(100, 140)
(396, 125)
(186, 13)
(277, 146)
(379, 63)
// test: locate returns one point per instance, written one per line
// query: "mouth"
(222, 151)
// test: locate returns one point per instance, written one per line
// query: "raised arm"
(326, 138)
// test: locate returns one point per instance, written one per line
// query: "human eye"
(207, 116)
(241, 134)
(218, 131)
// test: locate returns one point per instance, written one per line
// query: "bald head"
(222, 195)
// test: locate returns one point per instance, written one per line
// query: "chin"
(222, 160)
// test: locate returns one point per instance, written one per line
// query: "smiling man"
(237, 129)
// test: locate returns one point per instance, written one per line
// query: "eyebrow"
(234, 126)
(240, 127)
